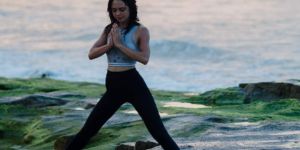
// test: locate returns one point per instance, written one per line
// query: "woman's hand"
(116, 36)
(110, 42)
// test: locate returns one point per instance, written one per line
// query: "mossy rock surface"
(40, 127)
(226, 96)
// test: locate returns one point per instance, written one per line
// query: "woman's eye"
(122, 9)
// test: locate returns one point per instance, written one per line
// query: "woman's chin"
(122, 21)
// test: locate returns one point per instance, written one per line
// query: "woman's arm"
(143, 39)
(101, 46)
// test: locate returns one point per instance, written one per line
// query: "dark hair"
(133, 18)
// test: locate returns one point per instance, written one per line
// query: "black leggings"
(126, 86)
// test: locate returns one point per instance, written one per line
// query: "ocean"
(196, 45)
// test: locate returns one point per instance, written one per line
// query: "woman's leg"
(104, 109)
(146, 107)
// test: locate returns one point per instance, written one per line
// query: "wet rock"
(143, 145)
(216, 120)
(62, 142)
(126, 146)
(89, 102)
(278, 126)
(139, 145)
(35, 101)
(66, 95)
(89, 105)
(181, 146)
(270, 91)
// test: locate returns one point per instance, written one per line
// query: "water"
(196, 45)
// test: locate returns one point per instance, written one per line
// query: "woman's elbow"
(145, 61)
(91, 56)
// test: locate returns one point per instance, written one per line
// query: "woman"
(124, 41)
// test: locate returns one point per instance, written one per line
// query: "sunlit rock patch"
(184, 105)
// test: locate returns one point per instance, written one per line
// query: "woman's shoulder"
(142, 29)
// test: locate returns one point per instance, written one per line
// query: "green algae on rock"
(39, 127)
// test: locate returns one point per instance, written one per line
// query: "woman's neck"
(123, 25)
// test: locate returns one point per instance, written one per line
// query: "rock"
(89, 105)
(62, 142)
(139, 145)
(28, 139)
(216, 120)
(46, 74)
(65, 95)
(126, 146)
(143, 145)
(89, 102)
(270, 91)
(35, 101)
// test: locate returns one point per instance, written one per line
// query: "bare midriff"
(119, 68)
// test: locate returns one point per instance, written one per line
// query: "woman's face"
(120, 11)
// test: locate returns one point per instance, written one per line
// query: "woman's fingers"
(115, 33)
(115, 25)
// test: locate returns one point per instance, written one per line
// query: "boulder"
(270, 91)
